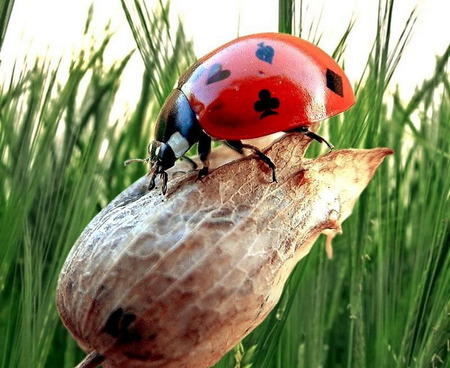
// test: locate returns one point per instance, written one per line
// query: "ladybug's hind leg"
(239, 147)
(204, 149)
(312, 135)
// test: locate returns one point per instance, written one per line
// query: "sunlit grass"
(383, 301)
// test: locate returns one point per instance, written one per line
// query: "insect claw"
(163, 175)
(202, 172)
(152, 183)
(164, 178)
(330, 146)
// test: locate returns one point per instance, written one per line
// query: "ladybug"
(250, 87)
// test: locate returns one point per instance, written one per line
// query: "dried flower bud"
(178, 280)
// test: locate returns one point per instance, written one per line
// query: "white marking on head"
(153, 150)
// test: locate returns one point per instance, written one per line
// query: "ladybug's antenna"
(131, 160)
(151, 149)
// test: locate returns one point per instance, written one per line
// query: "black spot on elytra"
(334, 82)
(216, 74)
(266, 104)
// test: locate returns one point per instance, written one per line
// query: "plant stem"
(93, 360)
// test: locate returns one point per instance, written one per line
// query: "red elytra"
(265, 83)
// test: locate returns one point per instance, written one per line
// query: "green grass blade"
(6, 7)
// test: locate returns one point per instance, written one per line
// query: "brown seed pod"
(177, 280)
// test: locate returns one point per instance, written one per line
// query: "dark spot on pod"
(71, 285)
(112, 325)
(127, 320)
(118, 325)
(130, 336)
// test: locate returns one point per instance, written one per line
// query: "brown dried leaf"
(178, 280)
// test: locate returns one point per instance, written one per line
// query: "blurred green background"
(384, 299)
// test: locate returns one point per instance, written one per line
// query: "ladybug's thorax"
(177, 128)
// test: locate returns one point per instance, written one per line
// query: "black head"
(177, 129)
(160, 157)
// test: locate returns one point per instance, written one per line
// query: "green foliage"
(6, 7)
(166, 55)
(52, 168)
(383, 301)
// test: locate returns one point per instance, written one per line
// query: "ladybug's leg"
(164, 177)
(312, 135)
(204, 149)
(191, 161)
(238, 146)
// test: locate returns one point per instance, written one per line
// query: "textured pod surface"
(178, 280)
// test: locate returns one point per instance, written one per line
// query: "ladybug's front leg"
(204, 149)
(159, 171)
(238, 146)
